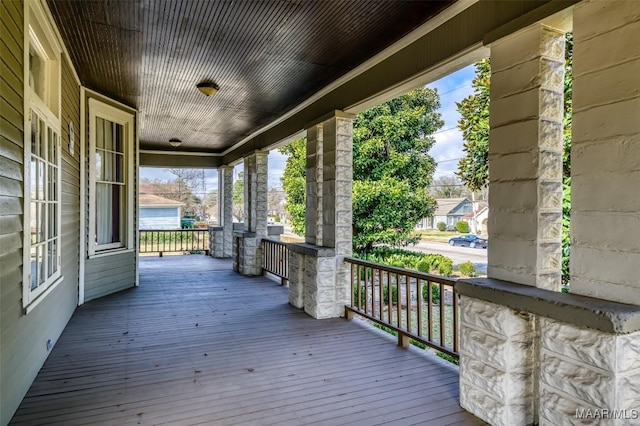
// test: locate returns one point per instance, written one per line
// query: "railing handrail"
(409, 272)
(275, 258)
(375, 306)
(197, 240)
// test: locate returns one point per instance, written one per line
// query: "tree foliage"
(473, 168)
(392, 170)
(294, 182)
(237, 197)
(449, 187)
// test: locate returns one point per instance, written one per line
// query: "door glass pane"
(53, 183)
(53, 148)
(47, 154)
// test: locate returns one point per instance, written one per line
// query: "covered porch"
(196, 343)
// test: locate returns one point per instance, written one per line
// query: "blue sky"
(446, 151)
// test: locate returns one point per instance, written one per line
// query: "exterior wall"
(605, 151)
(24, 337)
(159, 218)
(108, 273)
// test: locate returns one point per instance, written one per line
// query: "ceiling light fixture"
(175, 142)
(207, 88)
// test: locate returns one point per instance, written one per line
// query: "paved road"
(457, 254)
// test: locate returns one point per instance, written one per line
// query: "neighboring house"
(449, 211)
(478, 219)
(159, 213)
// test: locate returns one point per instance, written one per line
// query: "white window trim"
(126, 119)
(37, 25)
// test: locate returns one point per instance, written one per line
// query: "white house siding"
(159, 218)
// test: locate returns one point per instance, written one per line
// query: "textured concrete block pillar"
(255, 209)
(337, 179)
(497, 363)
(313, 220)
(320, 287)
(584, 371)
(296, 279)
(525, 157)
(605, 151)
(225, 214)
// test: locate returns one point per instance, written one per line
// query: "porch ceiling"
(266, 56)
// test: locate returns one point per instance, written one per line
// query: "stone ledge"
(312, 250)
(244, 234)
(583, 311)
(216, 228)
(275, 229)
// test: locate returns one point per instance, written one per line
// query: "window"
(42, 159)
(111, 174)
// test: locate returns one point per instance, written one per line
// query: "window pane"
(41, 180)
(33, 182)
(53, 183)
(99, 174)
(40, 264)
(42, 216)
(36, 72)
(119, 168)
(108, 135)
(34, 132)
(53, 220)
(33, 223)
(54, 256)
(118, 138)
(108, 167)
(104, 218)
(42, 143)
(53, 148)
(34, 268)
(46, 147)
(99, 132)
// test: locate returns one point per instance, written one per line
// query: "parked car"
(468, 240)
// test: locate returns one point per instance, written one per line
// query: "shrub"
(445, 266)
(435, 293)
(441, 226)
(462, 226)
(423, 266)
(467, 269)
(394, 294)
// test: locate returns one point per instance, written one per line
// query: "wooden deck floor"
(198, 344)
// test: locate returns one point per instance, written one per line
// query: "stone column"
(221, 236)
(498, 352)
(582, 368)
(325, 274)
(313, 223)
(247, 248)
(525, 158)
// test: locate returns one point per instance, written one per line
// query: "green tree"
(294, 182)
(473, 168)
(237, 196)
(392, 170)
(474, 124)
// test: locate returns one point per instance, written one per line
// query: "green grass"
(437, 236)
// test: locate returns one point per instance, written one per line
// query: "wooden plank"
(197, 343)
(8, 149)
